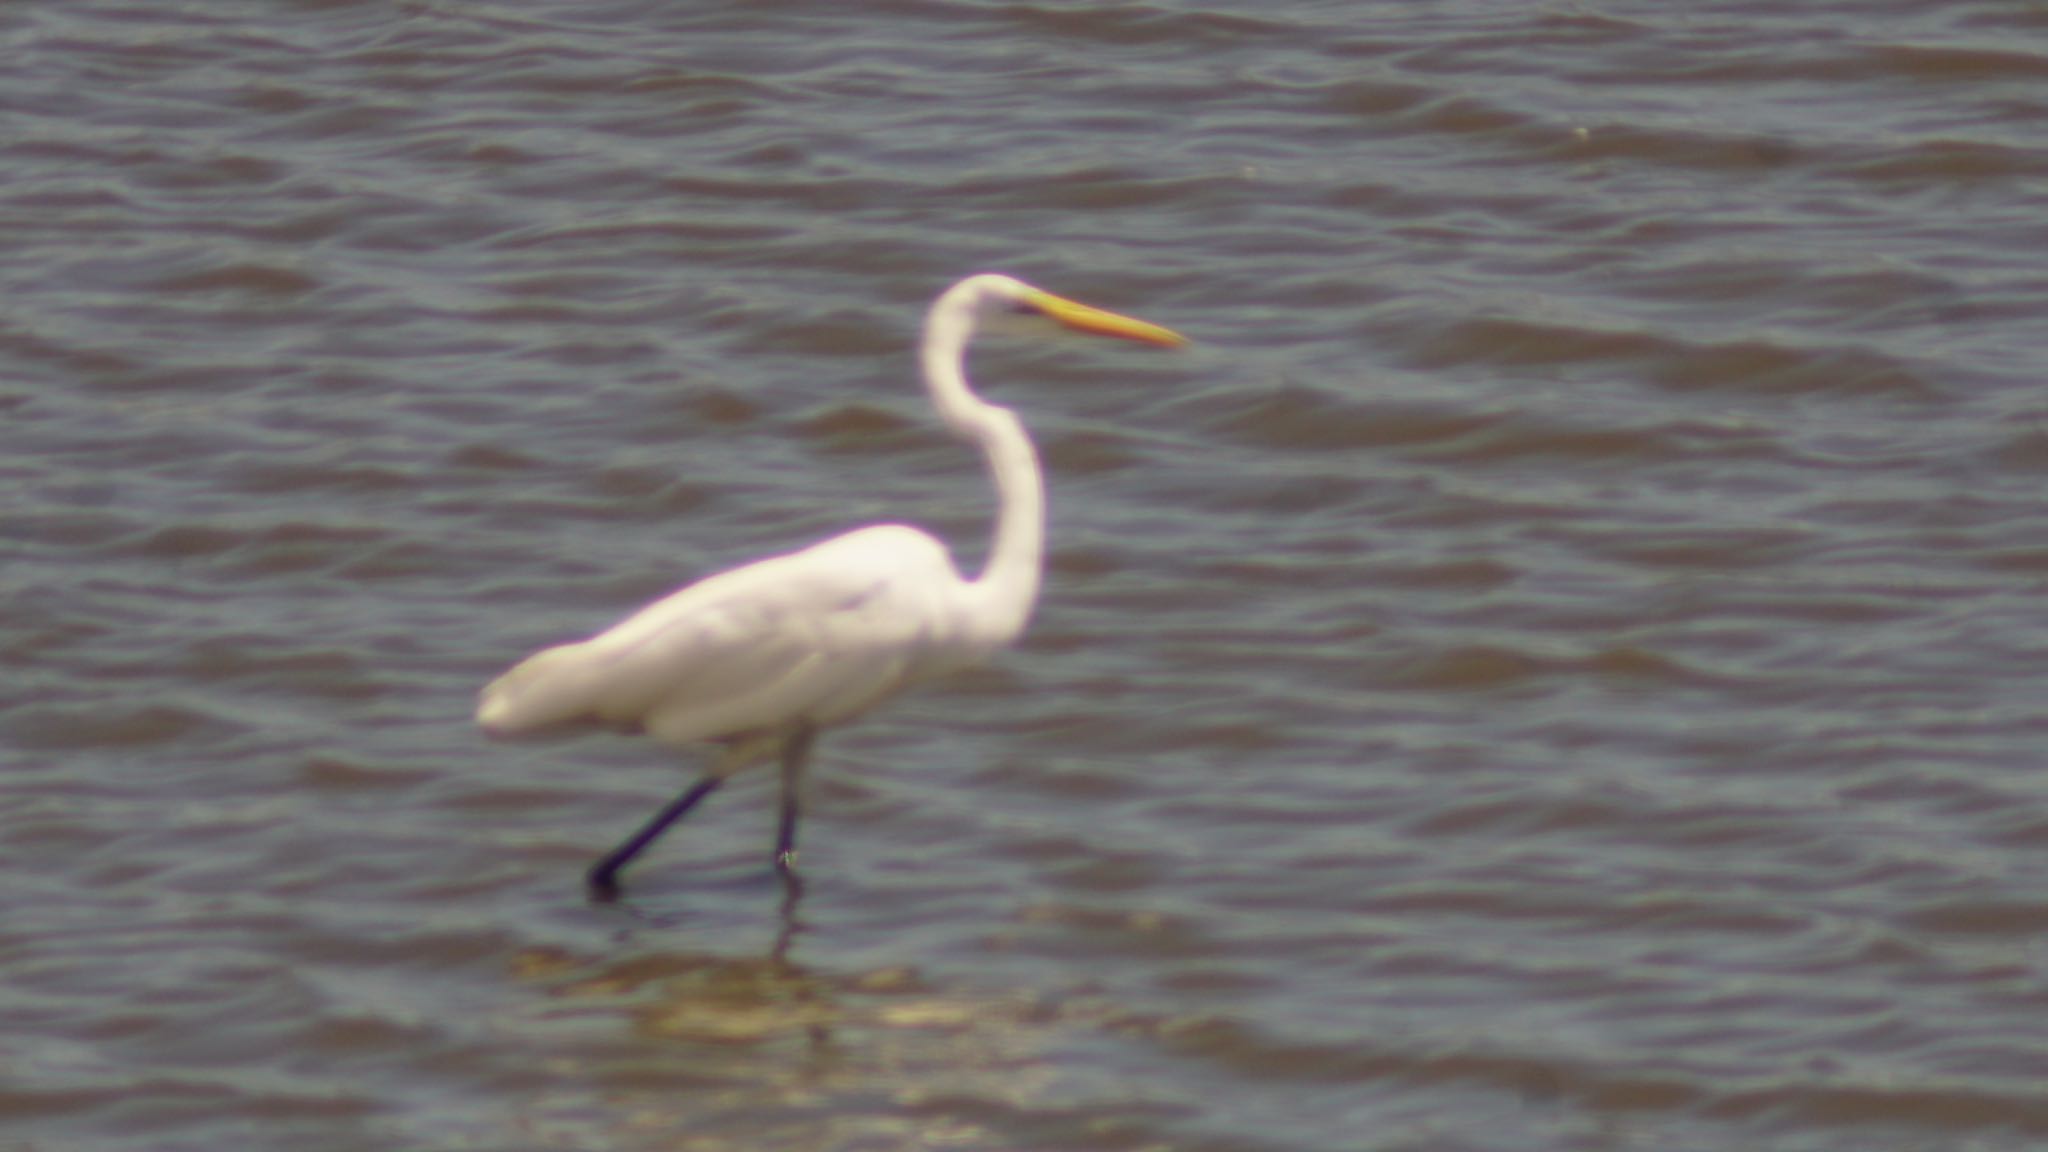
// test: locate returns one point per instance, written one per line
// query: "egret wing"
(816, 637)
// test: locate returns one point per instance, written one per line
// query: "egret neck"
(1008, 584)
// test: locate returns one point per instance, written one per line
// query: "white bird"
(759, 659)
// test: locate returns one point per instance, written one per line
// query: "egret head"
(995, 301)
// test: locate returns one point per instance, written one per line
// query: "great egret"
(761, 658)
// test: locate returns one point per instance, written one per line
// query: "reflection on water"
(713, 1050)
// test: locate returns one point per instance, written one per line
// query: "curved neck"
(1008, 585)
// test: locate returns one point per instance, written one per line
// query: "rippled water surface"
(1557, 666)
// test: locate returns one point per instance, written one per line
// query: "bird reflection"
(697, 995)
(712, 1045)
(792, 891)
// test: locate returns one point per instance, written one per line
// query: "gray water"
(1558, 665)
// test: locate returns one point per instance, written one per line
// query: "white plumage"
(814, 637)
(760, 658)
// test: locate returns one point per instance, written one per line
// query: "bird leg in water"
(604, 875)
(795, 754)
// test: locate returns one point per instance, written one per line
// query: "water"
(1557, 667)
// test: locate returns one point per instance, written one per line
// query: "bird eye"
(1025, 308)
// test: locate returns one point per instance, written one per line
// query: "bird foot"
(603, 885)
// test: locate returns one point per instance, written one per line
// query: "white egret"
(759, 659)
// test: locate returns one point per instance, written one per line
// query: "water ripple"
(1552, 667)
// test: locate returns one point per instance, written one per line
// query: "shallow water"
(1557, 666)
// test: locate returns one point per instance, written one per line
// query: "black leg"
(795, 754)
(792, 891)
(604, 875)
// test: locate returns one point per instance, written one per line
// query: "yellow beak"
(1082, 318)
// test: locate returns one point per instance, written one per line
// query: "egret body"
(761, 658)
